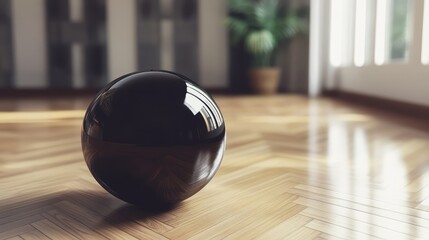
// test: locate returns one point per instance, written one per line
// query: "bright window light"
(425, 40)
(336, 43)
(380, 37)
(360, 33)
(315, 48)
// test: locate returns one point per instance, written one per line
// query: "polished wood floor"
(295, 168)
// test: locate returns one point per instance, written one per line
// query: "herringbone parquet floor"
(295, 168)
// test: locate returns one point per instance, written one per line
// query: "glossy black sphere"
(153, 138)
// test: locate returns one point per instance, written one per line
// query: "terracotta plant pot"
(264, 80)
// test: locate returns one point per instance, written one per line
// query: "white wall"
(213, 48)
(407, 83)
(29, 36)
(121, 37)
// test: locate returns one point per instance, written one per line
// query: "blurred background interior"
(376, 48)
(372, 48)
(77, 44)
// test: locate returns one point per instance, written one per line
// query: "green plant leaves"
(238, 27)
(240, 6)
(260, 42)
(288, 27)
(263, 26)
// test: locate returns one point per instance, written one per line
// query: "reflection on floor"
(295, 168)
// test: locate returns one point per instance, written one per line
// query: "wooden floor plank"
(15, 231)
(34, 235)
(71, 225)
(338, 231)
(372, 229)
(52, 230)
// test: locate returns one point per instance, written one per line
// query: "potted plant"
(262, 27)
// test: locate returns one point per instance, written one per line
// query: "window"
(360, 32)
(425, 40)
(380, 36)
(399, 28)
(392, 31)
(365, 29)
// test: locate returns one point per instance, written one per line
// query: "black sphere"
(153, 138)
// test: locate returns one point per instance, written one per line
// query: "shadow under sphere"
(153, 138)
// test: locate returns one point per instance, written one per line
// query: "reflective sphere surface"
(153, 138)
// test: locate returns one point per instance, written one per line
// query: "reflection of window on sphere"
(197, 102)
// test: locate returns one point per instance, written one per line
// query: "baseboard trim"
(409, 109)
